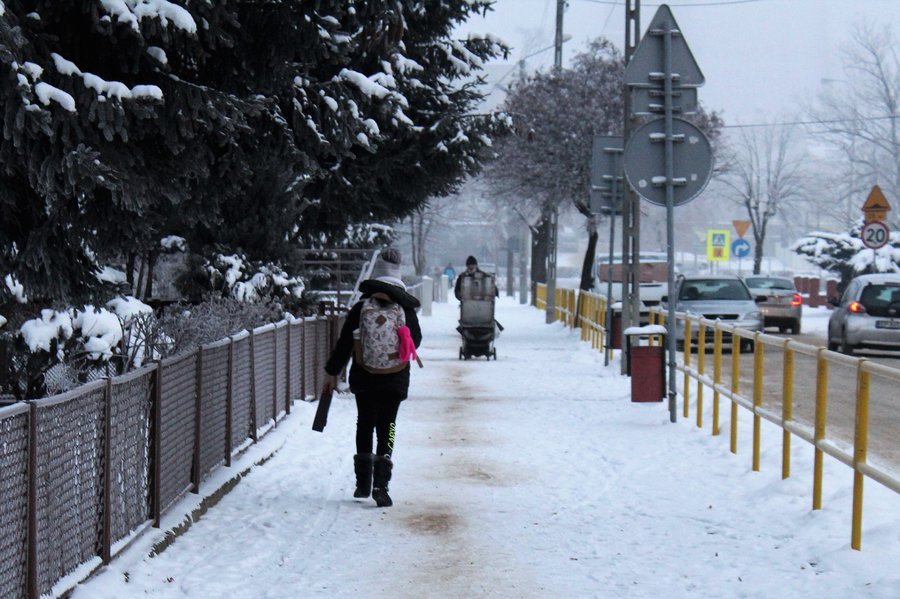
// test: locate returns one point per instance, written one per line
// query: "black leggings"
(376, 413)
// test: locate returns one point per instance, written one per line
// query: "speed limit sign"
(875, 234)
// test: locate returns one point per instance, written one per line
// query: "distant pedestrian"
(450, 271)
(378, 331)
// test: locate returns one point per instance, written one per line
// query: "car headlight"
(753, 316)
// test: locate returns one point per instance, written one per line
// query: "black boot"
(362, 465)
(383, 466)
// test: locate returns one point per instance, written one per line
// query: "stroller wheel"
(460, 354)
(494, 353)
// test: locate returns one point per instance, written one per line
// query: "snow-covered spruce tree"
(422, 139)
(108, 135)
(845, 255)
(223, 122)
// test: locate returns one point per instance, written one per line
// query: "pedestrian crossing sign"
(718, 244)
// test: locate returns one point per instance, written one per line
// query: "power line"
(823, 122)
(716, 3)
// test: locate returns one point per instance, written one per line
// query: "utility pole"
(631, 206)
(554, 212)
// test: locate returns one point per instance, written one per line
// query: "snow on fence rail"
(83, 472)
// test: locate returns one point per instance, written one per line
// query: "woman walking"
(380, 332)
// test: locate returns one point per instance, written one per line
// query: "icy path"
(531, 476)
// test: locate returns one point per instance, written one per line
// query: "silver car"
(717, 297)
(783, 307)
(867, 315)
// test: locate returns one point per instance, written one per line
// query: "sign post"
(668, 161)
(607, 189)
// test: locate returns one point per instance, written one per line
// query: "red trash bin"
(646, 365)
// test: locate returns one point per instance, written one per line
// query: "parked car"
(717, 297)
(783, 306)
(867, 315)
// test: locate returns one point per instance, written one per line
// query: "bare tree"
(765, 178)
(857, 116)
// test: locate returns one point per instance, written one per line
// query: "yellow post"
(701, 359)
(758, 366)
(717, 376)
(821, 418)
(860, 451)
(687, 365)
(735, 386)
(787, 408)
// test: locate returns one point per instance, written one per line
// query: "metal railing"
(577, 308)
(837, 415)
(860, 432)
(83, 472)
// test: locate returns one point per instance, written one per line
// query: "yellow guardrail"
(540, 296)
(844, 380)
(576, 308)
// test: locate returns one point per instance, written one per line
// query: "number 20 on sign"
(875, 234)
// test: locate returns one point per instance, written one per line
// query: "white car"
(867, 315)
(717, 297)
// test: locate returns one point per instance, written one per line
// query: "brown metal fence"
(82, 471)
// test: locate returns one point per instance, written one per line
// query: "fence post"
(758, 365)
(303, 360)
(787, 408)
(253, 431)
(229, 403)
(821, 417)
(701, 369)
(717, 376)
(107, 487)
(275, 378)
(735, 386)
(155, 450)
(860, 452)
(31, 582)
(198, 405)
(687, 366)
(287, 373)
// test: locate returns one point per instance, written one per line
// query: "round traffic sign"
(740, 248)
(875, 234)
(645, 161)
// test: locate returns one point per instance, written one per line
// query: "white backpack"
(379, 341)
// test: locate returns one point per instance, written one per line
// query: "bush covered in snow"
(845, 254)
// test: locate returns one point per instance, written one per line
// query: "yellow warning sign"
(876, 206)
(718, 244)
(741, 226)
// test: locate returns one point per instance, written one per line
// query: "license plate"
(887, 324)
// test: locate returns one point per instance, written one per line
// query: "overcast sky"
(760, 58)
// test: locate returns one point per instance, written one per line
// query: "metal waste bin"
(615, 333)
(646, 363)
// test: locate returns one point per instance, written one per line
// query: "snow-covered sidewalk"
(530, 476)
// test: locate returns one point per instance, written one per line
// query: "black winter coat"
(395, 384)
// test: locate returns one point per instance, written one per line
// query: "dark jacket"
(362, 381)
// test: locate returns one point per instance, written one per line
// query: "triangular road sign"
(648, 56)
(741, 226)
(876, 206)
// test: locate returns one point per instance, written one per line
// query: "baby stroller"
(476, 315)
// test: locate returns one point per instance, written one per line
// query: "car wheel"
(832, 345)
(795, 327)
(846, 348)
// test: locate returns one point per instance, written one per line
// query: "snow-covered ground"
(531, 476)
